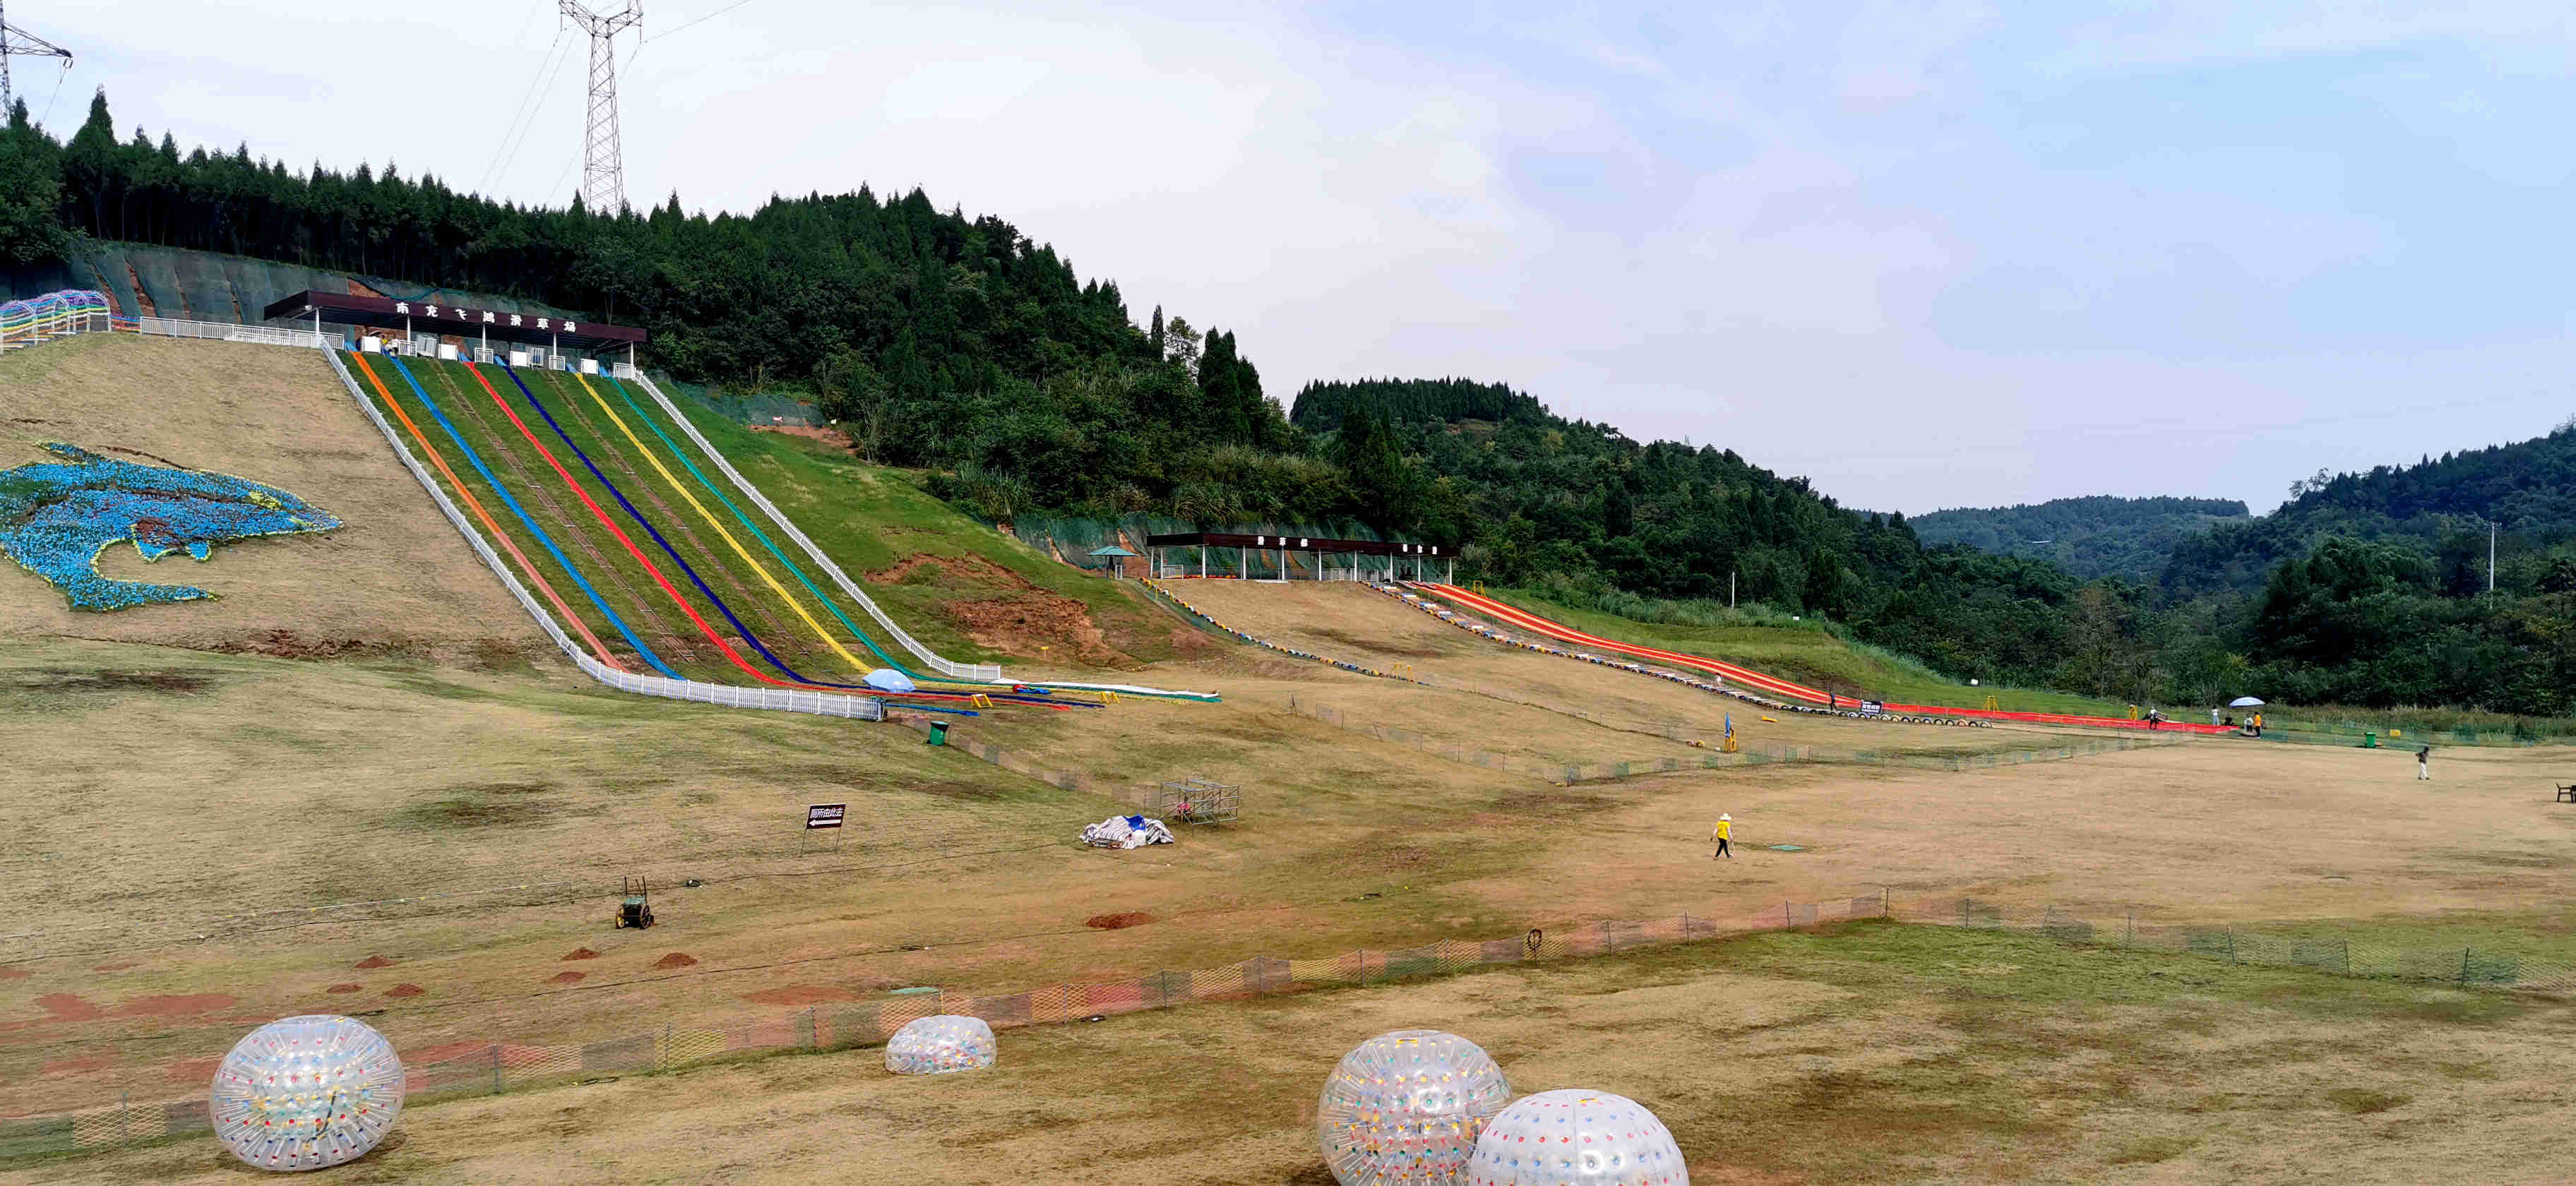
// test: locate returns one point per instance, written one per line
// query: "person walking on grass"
(2424, 764)
(1725, 828)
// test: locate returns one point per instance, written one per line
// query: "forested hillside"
(2090, 537)
(940, 340)
(2437, 508)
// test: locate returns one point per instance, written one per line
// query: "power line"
(691, 25)
(536, 79)
(534, 108)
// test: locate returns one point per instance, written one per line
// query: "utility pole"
(2491, 541)
(19, 43)
(603, 168)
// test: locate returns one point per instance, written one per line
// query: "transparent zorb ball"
(306, 1093)
(1576, 1135)
(938, 1045)
(1404, 1108)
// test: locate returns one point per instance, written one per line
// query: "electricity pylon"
(603, 168)
(19, 43)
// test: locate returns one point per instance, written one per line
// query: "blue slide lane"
(530, 522)
(667, 549)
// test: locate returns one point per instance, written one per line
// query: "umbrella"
(2245, 702)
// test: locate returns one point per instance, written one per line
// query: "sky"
(1926, 254)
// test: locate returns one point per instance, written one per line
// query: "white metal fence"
(984, 672)
(221, 331)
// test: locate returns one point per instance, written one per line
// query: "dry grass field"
(209, 828)
(393, 582)
(1865, 1053)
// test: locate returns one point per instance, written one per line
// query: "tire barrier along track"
(1529, 621)
(818, 703)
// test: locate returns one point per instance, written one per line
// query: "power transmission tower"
(19, 43)
(603, 168)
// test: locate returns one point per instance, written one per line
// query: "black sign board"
(1872, 708)
(825, 815)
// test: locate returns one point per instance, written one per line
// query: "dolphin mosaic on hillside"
(57, 518)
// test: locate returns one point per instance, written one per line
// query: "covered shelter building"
(1188, 554)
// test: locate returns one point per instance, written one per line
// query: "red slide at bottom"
(1769, 685)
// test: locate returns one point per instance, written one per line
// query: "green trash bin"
(2370, 741)
(938, 732)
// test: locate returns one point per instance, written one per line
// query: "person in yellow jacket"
(1725, 828)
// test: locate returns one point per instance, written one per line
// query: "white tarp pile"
(1126, 831)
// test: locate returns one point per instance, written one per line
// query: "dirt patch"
(80, 1066)
(1118, 922)
(581, 953)
(64, 1006)
(404, 990)
(1034, 623)
(829, 436)
(114, 967)
(341, 988)
(799, 994)
(186, 1004)
(677, 959)
(948, 570)
(289, 644)
(68, 682)
(373, 962)
(565, 978)
(199, 1071)
(14, 974)
(1028, 621)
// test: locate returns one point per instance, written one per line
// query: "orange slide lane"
(1536, 624)
(721, 645)
(1780, 687)
(486, 516)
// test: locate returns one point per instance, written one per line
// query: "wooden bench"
(2567, 794)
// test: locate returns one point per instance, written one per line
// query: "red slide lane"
(1760, 682)
(1532, 622)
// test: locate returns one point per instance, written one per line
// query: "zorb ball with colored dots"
(1589, 1137)
(305, 1093)
(1403, 1109)
(938, 1045)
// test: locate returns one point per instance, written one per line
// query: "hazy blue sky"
(1928, 254)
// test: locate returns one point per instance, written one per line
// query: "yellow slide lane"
(738, 550)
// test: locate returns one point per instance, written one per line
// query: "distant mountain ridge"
(2090, 537)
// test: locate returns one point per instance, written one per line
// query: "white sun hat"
(1722, 815)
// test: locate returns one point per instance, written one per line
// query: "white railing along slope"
(982, 672)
